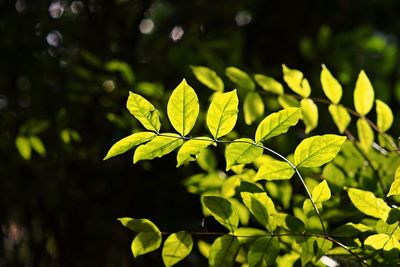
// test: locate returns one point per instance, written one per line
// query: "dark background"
(60, 209)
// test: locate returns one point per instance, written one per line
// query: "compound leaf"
(377, 241)
(37, 145)
(340, 116)
(223, 211)
(24, 147)
(208, 77)
(368, 203)
(253, 107)
(263, 251)
(144, 112)
(384, 116)
(241, 151)
(321, 192)
(191, 149)
(240, 78)
(365, 134)
(332, 88)
(363, 94)
(223, 251)
(274, 170)
(176, 247)
(310, 114)
(129, 142)
(395, 187)
(294, 79)
(269, 84)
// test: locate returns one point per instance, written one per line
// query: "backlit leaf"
(318, 150)
(37, 145)
(223, 211)
(253, 107)
(183, 108)
(274, 170)
(294, 79)
(263, 251)
(332, 88)
(129, 142)
(368, 203)
(269, 84)
(240, 78)
(241, 151)
(208, 77)
(24, 147)
(223, 251)
(176, 247)
(288, 101)
(277, 123)
(288, 222)
(310, 114)
(321, 192)
(365, 134)
(363, 94)
(377, 241)
(340, 116)
(384, 116)
(191, 149)
(144, 112)
(395, 187)
(157, 147)
(222, 114)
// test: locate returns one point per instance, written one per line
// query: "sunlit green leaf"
(377, 241)
(24, 147)
(253, 107)
(365, 134)
(223, 211)
(264, 250)
(241, 151)
(274, 170)
(129, 142)
(332, 88)
(310, 114)
(288, 222)
(222, 114)
(334, 176)
(157, 147)
(191, 149)
(183, 108)
(395, 187)
(318, 150)
(37, 145)
(340, 116)
(321, 192)
(208, 77)
(277, 123)
(363, 94)
(269, 84)
(288, 101)
(368, 203)
(384, 116)
(176, 247)
(294, 79)
(223, 251)
(144, 112)
(350, 230)
(204, 248)
(240, 78)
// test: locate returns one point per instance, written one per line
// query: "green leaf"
(288, 101)
(395, 186)
(384, 116)
(241, 151)
(332, 88)
(129, 142)
(223, 211)
(37, 145)
(138, 225)
(365, 134)
(294, 79)
(253, 107)
(223, 251)
(158, 147)
(321, 192)
(288, 222)
(183, 108)
(24, 147)
(208, 77)
(176, 247)
(222, 114)
(269, 84)
(363, 94)
(240, 78)
(274, 170)
(377, 241)
(277, 123)
(318, 150)
(144, 112)
(310, 114)
(340, 116)
(263, 251)
(191, 149)
(123, 68)
(368, 203)
(350, 230)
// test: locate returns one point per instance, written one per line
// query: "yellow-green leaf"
(368, 203)
(332, 88)
(129, 142)
(274, 170)
(183, 108)
(340, 116)
(363, 94)
(157, 147)
(321, 192)
(288, 101)
(223, 211)
(240, 78)
(208, 77)
(223, 251)
(144, 112)
(191, 149)
(310, 114)
(269, 84)
(395, 187)
(318, 150)
(384, 116)
(365, 134)
(294, 79)
(253, 107)
(222, 113)
(277, 123)
(176, 247)
(24, 147)
(377, 241)
(263, 251)
(37, 145)
(241, 151)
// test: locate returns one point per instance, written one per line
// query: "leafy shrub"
(267, 220)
